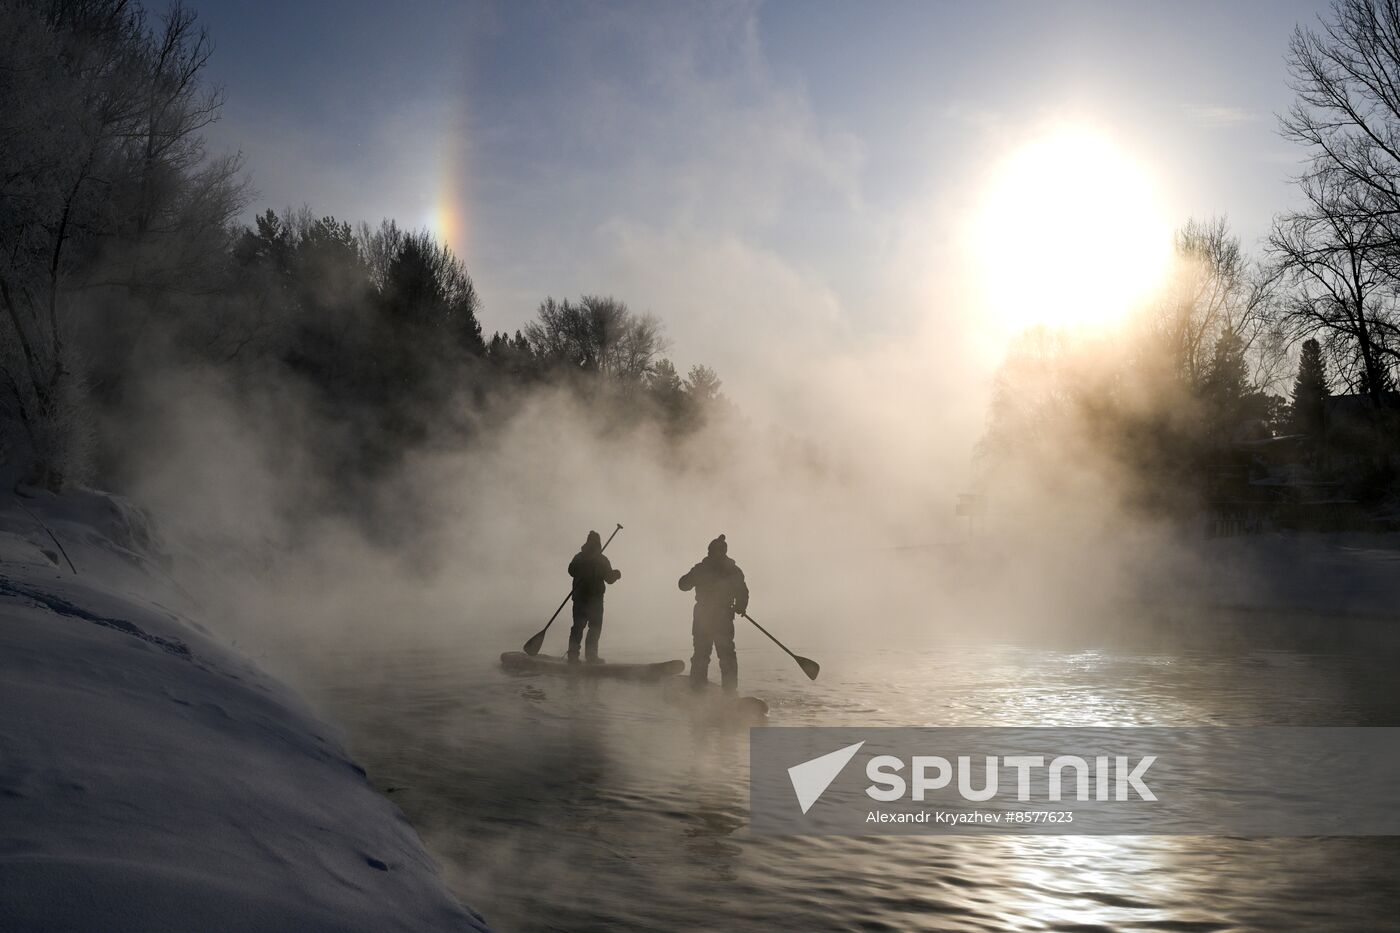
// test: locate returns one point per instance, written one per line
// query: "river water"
(561, 805)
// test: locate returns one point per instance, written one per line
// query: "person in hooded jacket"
(720, 593)
(592, 572)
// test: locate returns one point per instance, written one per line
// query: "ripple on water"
(555, 805)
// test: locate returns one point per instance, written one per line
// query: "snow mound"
(151, 778)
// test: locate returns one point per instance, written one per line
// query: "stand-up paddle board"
(520, 662)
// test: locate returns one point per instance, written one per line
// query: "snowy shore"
(151, 778)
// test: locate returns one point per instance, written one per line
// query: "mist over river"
(555, 804)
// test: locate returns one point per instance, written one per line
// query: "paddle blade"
(533, 646)
(809, 667)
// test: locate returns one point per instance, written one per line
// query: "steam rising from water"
(838, 505)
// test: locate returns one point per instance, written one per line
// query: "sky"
(759, 175)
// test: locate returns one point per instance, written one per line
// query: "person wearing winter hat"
(720, 593)
(592, 572)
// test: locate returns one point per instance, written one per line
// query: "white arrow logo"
(811, 778)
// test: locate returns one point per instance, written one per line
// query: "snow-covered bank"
(152, 779)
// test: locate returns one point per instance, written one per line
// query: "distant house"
(1353, 426)
(1297, 481)
(1345, 411)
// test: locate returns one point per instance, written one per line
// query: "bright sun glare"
(1071, 234)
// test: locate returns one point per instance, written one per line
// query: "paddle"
(809, 667)
(533, 646)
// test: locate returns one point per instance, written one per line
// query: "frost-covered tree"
(597, 334)
(702, 385)
(666, 388)
(108, 203)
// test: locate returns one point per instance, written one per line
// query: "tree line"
(121, 251)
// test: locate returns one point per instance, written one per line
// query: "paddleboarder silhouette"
(592, 572)
(720, 592)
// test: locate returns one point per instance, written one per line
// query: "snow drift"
(151, 778)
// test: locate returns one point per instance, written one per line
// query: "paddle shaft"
(768, 633)
(809, 667)
(540, 636)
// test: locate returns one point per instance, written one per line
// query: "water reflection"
(560, 805)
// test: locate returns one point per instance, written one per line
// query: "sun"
(1071, 233)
